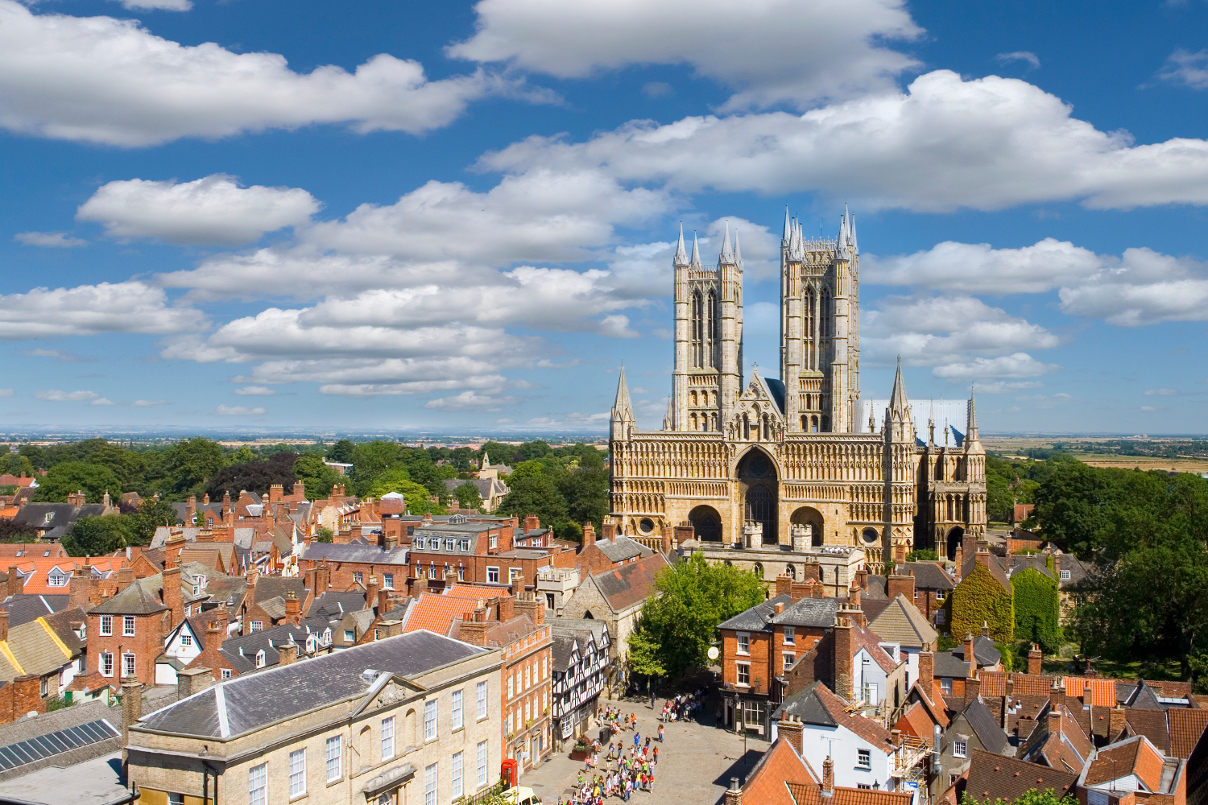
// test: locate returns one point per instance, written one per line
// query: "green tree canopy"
(187, 464)
(70, 476)
(97, 536)
(1031, 797)
(644, 653)
(17, 464)
(1037, 609)
(416, 497)
(693, 598)
(254, 476)
(317, 477)
(341, 452)
(467, 496)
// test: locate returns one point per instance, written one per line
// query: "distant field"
(1016, 446)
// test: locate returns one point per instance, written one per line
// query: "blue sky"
(257, 214)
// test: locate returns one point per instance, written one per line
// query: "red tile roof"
(1186, 727)
(436, 613)
(767, 784)
(993, 776)
(1134, 756)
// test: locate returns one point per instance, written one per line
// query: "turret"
(681, 255)
(729, 280)
(899, 422)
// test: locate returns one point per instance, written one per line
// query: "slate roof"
(1143, 697)
(563, 647)
(818, 612)
(22, 608)
(237, 706)
(993, 776)
(269, 587)
(354, 552)
(927, 575)
(629, 585)
(757, 618)
(808, 707)
(134, 600)
(333, 604)
(985, 726)
(901, 622)
(947, 665)
(63, 624)
(984, 651)
(622, 549)
(240, 651)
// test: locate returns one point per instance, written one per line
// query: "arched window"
(746, 427)
(810, 321)
(813, 424)
(693, 419)
(805, 423)
(790, 571)
(710, 330)
(758, 570)
(767, 429)
(825, 322)
(696, 327)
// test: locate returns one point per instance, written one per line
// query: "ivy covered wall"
(978, 599)
(1037, 609)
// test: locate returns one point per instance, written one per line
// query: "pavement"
(696, 760)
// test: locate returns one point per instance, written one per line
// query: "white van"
(521, 795)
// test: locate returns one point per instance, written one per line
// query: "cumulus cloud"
(470, 401)
(148, 403)
(979, 268)
(255, 391)
(110, 81)
(1162, 393)
(959, 336)
(49, 240)
(157, 5)
(212, 211)
(129, 307)
(821, 49)
(59, 355)
(7, 392)
(944, 143)
(238, 410)
(1187, 68)
(1019, 55)
(58, 395)
(1142, 287)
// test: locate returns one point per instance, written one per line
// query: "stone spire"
(971, 427)
(695, 252)
(899, 422)
(681, 255)
(788, 227)
(855, 248)
(622, 410)
(897, 400)
(841, 248)
(726, 256)
(796, 249)
(737, 250)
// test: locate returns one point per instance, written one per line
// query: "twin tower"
(819, 333)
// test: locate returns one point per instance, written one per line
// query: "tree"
(586, 493)
(97, 536)
(1037, 609)
(254, 476)
(1030, 797)
(151, 515)
(17, 464)
(341, 452)
(187, 464)
(71, 476)
(316, 476)
(371, 459)
(643, 655)
(467, 496)
(532, 492)
(693, 597)
(324, 534)
(10, 532)
(415, 496)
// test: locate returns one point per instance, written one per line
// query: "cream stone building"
(779, 463)
(407, 720)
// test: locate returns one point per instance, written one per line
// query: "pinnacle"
(681, 255)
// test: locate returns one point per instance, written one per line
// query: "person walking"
(660, 734)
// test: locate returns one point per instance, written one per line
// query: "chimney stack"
(371, 592)
(608, 531)
(390, 542)
(972, 688)
(132, 710)
(667, 542)
(589, 535)
(791, 729)
(927, 670)
(79, 587)
(733, 793)
(1116, 719)
(192, 680)
(293, 608)
(172, 599)
(970, 657)
(532, 522)
(76, 498)
(507, 608)
(1054, 721)
(190, 509)
(1055, 693)
(900, 585)
(843, 659)
(474, 629)
(287, 653)
(1006, 702)
(828, 777)
(3, 626)
(1034, 660)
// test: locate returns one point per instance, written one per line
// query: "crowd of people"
(620, 769)
(685, 706)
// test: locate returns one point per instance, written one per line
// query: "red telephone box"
(510, 772)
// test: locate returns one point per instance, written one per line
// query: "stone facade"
(779, 462)
(164, 760)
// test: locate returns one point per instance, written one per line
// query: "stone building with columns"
(765, 464)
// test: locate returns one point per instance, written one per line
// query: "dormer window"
(260, 658)
(49, 516)
(1065, 575)
(57, 578)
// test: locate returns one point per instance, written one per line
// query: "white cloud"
(110, 81)
(59, 355)
(959, 336)
(238, 410)
(1162, 393)
(1019, 55)
(255, 391)
(212, 211)
(1007, 386)
(57, 395)
(943, 144)
(157, 5)
(130, 307)
(49, 240)
(1142, 287)
(1185, 67)
(7, 392)
(773, 51)
(101, 401)
(978, 268)
(470, 401)
(148, 403)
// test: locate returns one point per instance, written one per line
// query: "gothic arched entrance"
(955, 537)
(706, 522)
(812, 520)
(759, 485)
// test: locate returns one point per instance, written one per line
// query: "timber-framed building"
(778, 464)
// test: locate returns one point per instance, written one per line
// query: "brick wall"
(146, 645)
(21, 697)
(759, 658)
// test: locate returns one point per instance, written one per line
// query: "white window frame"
(864, 758)
(127, 626)
(482, 763)
(186, 640)
(740, 667)
(458, 783)
(358, 576)
(333, 758)
(492, 571)
(297, 772)
(1063, 575)
(257, 785)
(106, 625)
(350, 636)
(940, 595)
(960, 749)
(105, 663)
(790, 636)
(430, 720)
(430, 784)
(482, 700)
(789, 659)
(129, 665)
(387, 738)
(457, 714)
(742, 642)
(387, 581)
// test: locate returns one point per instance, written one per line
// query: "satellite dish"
(712, 652)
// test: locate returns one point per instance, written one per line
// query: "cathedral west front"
(769, 464)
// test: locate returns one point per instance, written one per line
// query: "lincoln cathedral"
(763, 463)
